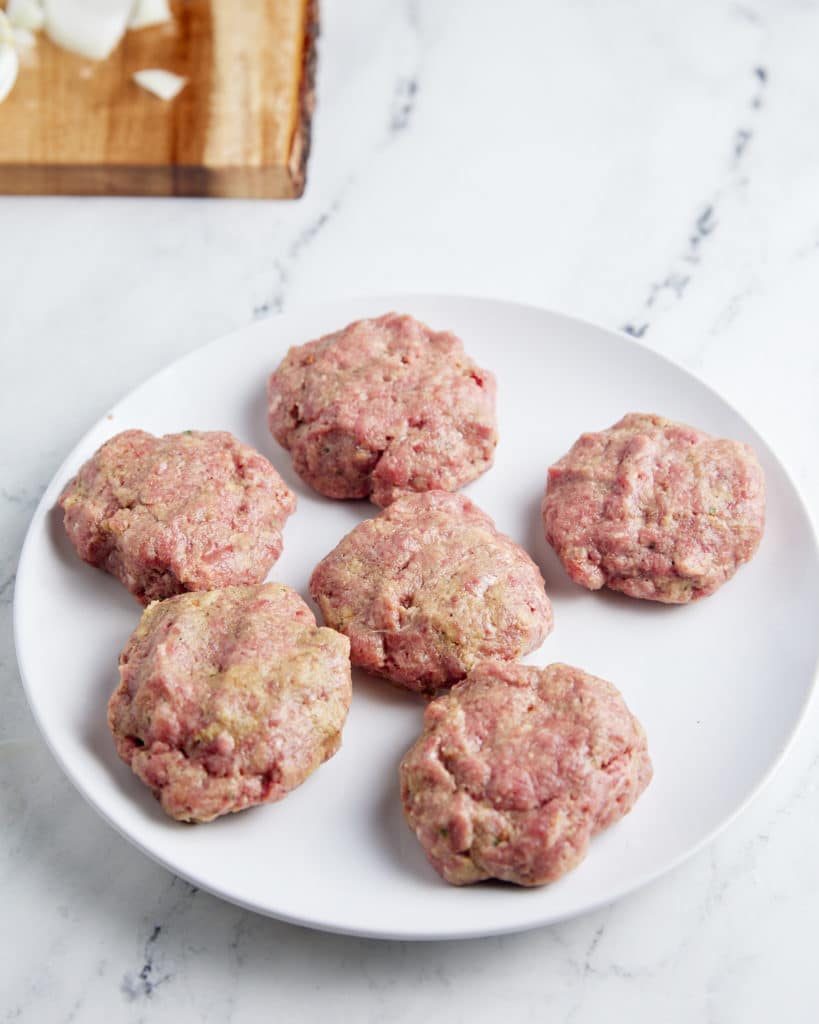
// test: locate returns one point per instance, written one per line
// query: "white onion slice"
(92, 28)
(24, 39)
(150, 12)
(164, 84)
(9, 61)
(6, 31)
(26, 14)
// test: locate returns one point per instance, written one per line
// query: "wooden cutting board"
(240, 127)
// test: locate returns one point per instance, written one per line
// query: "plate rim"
(327, 924)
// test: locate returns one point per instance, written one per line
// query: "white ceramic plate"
(720, 686)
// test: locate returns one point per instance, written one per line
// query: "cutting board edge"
(303, 131)
(276, 182)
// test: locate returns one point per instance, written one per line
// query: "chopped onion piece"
(150, 12)
(24, 39)
(6, 32)
(92, 28)
(9, 61)
(26, 14)
(164, 84)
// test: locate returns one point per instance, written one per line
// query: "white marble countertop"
(651, 166)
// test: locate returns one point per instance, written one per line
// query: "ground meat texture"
(429, 588)
(229, 698)
(191, 511)
(655, 509)
(517, 768)
(384, 407)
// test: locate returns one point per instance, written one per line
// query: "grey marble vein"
(672, 286)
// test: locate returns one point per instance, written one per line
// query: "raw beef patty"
(655, 509)
(190, 511)
(229, 698)
(429, 588)
(517, 768)
(382, 408)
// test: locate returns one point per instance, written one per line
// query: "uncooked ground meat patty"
(429, 588)
(229, 698)
(190, 511)
(655, 509)
(382, 408)
(517, 768)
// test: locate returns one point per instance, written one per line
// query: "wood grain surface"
(240, 127)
